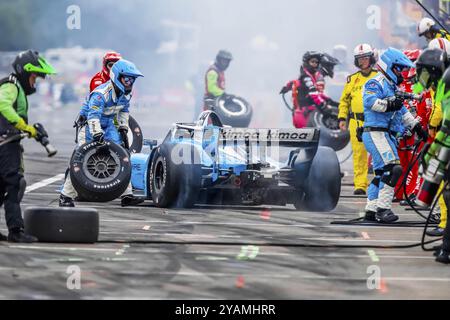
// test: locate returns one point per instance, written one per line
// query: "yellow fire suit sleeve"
(211, 79)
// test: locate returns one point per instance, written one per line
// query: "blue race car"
(208, 163)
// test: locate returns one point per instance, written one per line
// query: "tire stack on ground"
(62, 225)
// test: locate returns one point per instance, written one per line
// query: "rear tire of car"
(322, 189)
(62, 225)
(100, 176)
(162, 182)
(172, 184)
(330, 134)
(236, 114)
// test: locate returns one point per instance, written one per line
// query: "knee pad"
(391, 175)
(22, 188)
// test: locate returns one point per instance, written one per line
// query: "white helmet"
(364, 50)
(425, 25)
(340, 52)
(440, 43)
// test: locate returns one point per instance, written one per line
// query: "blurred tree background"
(31, 24)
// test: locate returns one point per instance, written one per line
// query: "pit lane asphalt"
(213, 252)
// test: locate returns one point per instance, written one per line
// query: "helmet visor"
(127, 81)
(43, 68)
(424, 77)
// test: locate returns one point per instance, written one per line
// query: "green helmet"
(27, 63)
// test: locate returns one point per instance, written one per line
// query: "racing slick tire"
(237, 113)
(330, 134)
(175, 184)
(135, 137)
(322, 189)
(63, 225)
(100, 172)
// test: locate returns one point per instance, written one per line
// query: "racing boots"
(130, 200)
(3, 237)
(19, 236)
(66, 201)
(443, 256)
(370, 216)
(436, 232)
(385, 216)
(359, 192)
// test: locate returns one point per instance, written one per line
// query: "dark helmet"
(311, 55)
(430, 67)
(223, 59)
(27, 63)
(327, 64)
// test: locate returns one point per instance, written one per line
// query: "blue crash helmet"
(123, 68)
(393, 58)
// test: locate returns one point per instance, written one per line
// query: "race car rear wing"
(282, 137)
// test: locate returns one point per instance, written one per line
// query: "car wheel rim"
(159, 179)
(101, 168)
(330, 122)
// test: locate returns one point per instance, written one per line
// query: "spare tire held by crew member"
(135, 138)
(100, 172)
(63, 225)
(233, 111)
(330, 134)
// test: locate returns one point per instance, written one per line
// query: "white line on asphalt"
(61, 248)
(44, 183)
(292, 276)
(210, 236)
(248, 224)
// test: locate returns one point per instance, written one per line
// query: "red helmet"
(412, 55)
(111, 56)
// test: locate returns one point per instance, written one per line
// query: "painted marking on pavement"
(373, 256)
(44, 183)
(248, 253)
(383, 286)
(265, 214)
(240, 282)
(365, 235)
(122, 250)
(211, 258)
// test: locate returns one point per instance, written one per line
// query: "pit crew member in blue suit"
(386, 118)
(107, 101)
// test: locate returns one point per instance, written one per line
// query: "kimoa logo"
(267, 134)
